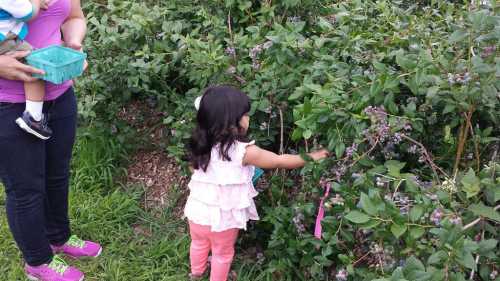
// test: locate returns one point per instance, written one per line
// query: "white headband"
(197, 102)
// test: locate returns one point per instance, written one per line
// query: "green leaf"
(297, 134)
(467, 260)
(485, 211)
(449, 108)
(417, 232)
(487, 245)
(480, 67)
(371, 224)
(339, 150)
(438, 257)
(412, 263)
(416, 212)
(406, 62)
(470, 246)
(397, 274)
(471, 184)
(343, 258)
(307, 134)
(456, 276)
(350, 269)
(357, 217)
(296, 95)
(394, 167)
(367, 204)
(432, 91)
(494, 193)
(458, 35)
(324, 24)
(484, 271)
(398, 230)
(375, 88)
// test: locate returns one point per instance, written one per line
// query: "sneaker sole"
(33, 278)
(98, 253)
(20, 122)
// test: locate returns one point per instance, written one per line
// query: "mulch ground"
(151, 167)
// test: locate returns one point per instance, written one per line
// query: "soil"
(151, 167)
(157, 173)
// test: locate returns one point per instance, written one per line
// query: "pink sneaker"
(56, 270)
(78, 248)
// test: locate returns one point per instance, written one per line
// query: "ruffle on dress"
(222, 197)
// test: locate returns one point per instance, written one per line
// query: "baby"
(14, 15)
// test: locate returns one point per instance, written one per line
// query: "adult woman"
(35, 173)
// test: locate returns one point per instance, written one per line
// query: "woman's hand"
(77, 46)
(319, 154)
(11, 68)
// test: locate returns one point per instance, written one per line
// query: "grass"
(103, 210)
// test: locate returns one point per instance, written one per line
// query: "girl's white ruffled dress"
(222, 197)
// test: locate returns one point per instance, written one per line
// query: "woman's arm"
(75, 27)
(12, 69)
(269, 160)
(36, 8)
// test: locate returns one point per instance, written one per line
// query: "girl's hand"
(319, 154)
(44, 4)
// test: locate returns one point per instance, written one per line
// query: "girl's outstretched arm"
(269, 160)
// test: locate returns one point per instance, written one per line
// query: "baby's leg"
(35, 93)
(222, 253)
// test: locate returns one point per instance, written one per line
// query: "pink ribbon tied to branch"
(321, 212)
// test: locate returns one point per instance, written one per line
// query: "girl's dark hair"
(218, 123)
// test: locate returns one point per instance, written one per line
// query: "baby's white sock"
(35, 109)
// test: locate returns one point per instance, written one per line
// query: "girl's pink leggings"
(222, 245)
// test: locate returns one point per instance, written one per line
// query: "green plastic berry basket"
(59, 63)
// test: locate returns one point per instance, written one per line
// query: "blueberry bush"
(405, 93)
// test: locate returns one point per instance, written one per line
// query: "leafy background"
(404, 92)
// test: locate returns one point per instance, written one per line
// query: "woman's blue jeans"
(35, 174)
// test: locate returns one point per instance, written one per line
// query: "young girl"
(221, 191)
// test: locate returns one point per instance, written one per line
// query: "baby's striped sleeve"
(21, 10)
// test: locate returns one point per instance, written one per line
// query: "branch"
(428, 157)
(476, 146)
(476, 221)
(462, 139)
(230, 29)
(360, 259)
(477, 260)
(473, 270)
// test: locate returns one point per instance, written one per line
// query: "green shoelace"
(58, 265)
(74, 241)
